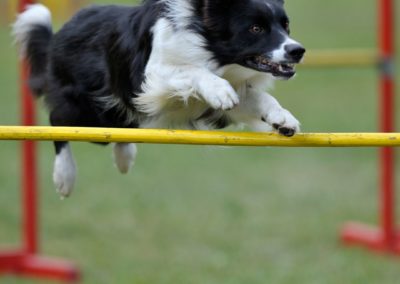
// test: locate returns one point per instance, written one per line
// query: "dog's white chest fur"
(169, 97)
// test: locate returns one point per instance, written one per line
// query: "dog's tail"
(33, 33)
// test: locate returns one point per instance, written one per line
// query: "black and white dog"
(187, 64)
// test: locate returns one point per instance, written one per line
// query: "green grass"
(221, 215)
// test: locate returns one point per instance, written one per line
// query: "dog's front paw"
(283, 122)
(219, 94)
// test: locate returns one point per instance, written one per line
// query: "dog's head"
(252, 33)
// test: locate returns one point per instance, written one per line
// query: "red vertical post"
(29, 167)
(387, 50)
(384, 238)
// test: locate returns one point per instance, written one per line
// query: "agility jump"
(25, 260)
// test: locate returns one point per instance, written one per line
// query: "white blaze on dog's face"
(253, 34)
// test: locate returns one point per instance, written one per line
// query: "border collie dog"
(187, 64)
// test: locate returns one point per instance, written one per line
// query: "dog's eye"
(256, 29)
(287, 27)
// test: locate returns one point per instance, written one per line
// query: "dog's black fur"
(100, 52)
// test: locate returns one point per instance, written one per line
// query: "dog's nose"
(295, 51)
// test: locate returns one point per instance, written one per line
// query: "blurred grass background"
(208, 215)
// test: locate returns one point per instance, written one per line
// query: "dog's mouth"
(282, 70)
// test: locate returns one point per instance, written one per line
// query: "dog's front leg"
(215, 91)
(164, 84)
(278, 117)
(262, 112)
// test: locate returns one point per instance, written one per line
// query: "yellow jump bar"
(341, 57)
(156, 136)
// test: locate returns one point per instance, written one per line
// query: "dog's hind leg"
(64, 173)
(124, 156)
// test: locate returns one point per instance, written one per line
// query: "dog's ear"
(218, 2)
(214, 12)
(219, 5)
